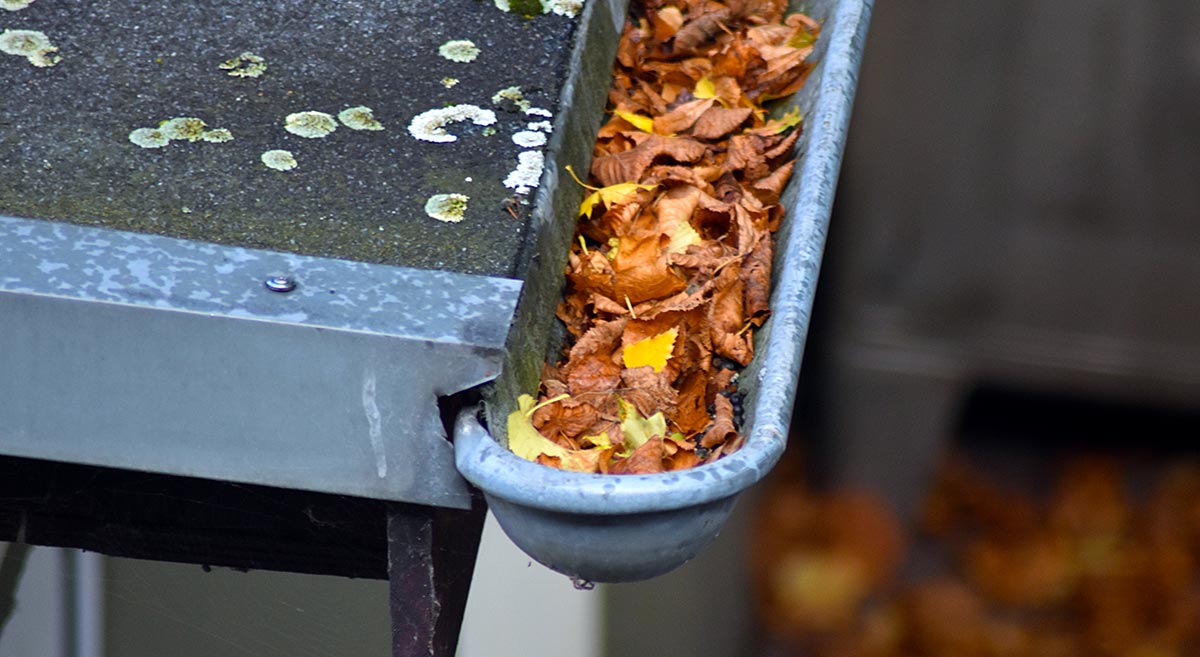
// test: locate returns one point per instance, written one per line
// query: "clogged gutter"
(670, 271)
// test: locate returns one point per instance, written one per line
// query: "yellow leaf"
(609, 196)
(643, 123)
(789, 120)
(599, 440)
(683, 237)
(654, 351)
(525, 441)
(705, 88)
(802, 39)
(637, 429)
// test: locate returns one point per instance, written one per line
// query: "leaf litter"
(670, 269)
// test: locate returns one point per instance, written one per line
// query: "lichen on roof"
(512, 95)
(359, 118)
(180, 128)
(528, 172)
(280, 160)
(187, 128)
(529, 139)
(149, 138)
(431, 125)
(447, 207)
(568, 8)
(459, 50)
(522, 7)
(217, 136)
(245, 65)
(310, 124)
(14, 5)
(30, 44)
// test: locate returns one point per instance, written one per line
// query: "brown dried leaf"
(745, 153)
(629, 165)
(699, 32)
(591, 366)
(675, 208)
(646, 459)
(568, 417)
(669, 175)
(776, 146)
(666, 22)
(602, 304)
(722, 429)
(691, 412)
(682, 460)
(718, 122)
(592, 273)
(649, 391)
(727, 317)
(756, 276)
(767, 190)
(682, 117)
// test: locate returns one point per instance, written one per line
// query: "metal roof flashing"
(303, 342)
(166, 355)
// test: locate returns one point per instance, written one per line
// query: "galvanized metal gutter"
(630, 527)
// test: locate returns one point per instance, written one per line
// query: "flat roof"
(65, 152)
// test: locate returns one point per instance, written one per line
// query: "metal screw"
(280, 283)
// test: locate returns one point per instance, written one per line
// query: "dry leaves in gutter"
(670, 272)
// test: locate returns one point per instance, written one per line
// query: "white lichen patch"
(149, 138)
(14, 5)
(280, 160)
(529, 139)
(180, 128)
(447, 207)
(538, 111)
(568, 8)
(529, 170)
(459, 50)
(359, 118)
(310, 125)
(543, 126)
(512, 95)
(245, 65)
(187, 128)
(23, 42)
(431, 125)
(449, 82)
(217, 136)
(30, 44)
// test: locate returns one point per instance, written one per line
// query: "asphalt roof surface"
(65, 153)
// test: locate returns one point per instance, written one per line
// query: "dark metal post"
(431, 557)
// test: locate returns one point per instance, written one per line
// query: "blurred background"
(993, 452)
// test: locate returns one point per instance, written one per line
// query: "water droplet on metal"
(582, 584)
(281, 283)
